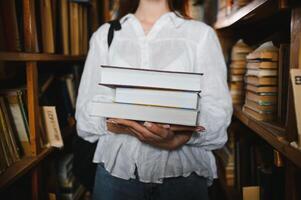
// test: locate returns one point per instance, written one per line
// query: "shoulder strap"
(114, 26)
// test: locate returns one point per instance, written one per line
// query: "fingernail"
(147, 124)
(112, 121)
(166, 126)
(200, 128)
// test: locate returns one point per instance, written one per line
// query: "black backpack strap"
(114, 26)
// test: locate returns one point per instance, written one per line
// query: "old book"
(262, 81)
(261, 72)
(237, 71)
(238, 64)
(258, 64)
(259, 116)
(251, 193)
(47, 25)
(119, 76)
(52, 126)
(261, 107)
(9, 131)
(64, 23)
(145, 113)
(262, 98)
(74, 28)
(85, 31)
(296, 83)
(7, 159)
(261, 89)
(19, 118)
(80, 28)
(236, 85)
(236, 78)
(10, 22)
(267, 51)
(165, 98)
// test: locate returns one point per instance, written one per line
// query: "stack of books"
(237, 71)
(261, 83)
(150, 95)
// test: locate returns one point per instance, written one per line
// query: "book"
(19, 117)
(251, 193)
(64, 26)
(241, 64)
(262, 98)
(128, 77)
(74, 28)
(47, 25)
(296, 83)
(145, 113)
(261, 89)
(235, 71)
(266, 51)
(261, 72)
(10, 22)
(52, 126)
(236, 78)
(259, 106)
(259, 64)
(261, 81)
(259, 116)
(9, 131)
(164, 98)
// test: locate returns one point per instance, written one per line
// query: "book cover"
(52, 126)
(128, 77)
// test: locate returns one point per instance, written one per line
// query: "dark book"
(10, 22)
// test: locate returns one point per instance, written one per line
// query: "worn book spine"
(296, 83)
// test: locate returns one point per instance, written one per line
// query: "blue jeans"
(108, 187)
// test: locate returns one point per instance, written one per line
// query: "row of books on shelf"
(57, 102)
(254, 82)
(63, 184)
(59, 26)
(156, 96)
(250, 166)
(226, 7)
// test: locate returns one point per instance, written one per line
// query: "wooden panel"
(15, 56)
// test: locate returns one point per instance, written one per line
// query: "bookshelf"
(34, 59)
(39, 57)
(278, 21)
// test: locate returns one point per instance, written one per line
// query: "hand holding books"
(163, 136)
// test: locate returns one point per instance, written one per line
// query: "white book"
(145, 113)
(261, 72)
(165, 98)
(296, 83)
(52, 126)
(132, 77)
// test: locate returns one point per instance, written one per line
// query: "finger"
(145, 136)
(186, 128)
(158, 130)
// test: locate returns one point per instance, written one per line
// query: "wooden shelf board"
(270, 135)
(21, 167)
(20, 56)
(240, 14)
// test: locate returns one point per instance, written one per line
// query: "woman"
(156, 161)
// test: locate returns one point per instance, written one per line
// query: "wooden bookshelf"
(257, 9)
(21, 167)
(272, 136)
(21, 56)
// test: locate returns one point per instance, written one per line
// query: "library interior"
(79, 80)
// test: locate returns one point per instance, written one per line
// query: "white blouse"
(176, 44)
